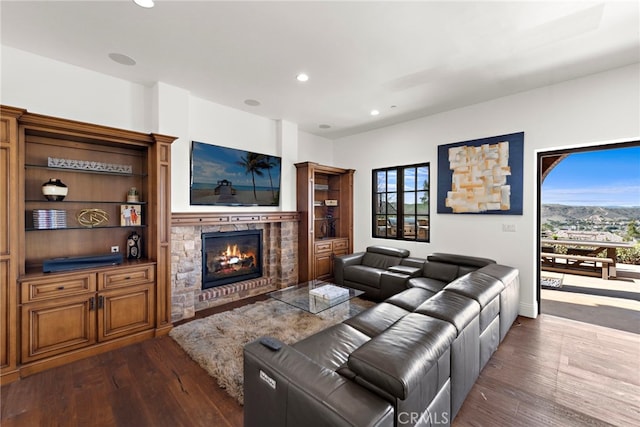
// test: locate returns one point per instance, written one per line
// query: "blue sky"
(595, 178)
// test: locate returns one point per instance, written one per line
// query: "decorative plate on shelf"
(92, 217)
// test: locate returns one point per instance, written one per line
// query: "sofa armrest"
(342, 261)
(285, 387)
(391, 283)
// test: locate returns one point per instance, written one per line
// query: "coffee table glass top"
(302, 296)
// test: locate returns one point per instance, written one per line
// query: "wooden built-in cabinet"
(49, 319)
(325, 203)
(324, 252)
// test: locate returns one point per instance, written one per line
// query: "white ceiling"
(406, 59)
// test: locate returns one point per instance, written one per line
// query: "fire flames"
(232, 259)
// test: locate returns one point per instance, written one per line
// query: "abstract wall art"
(481, 176)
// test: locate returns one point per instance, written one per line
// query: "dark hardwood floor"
(548, 372)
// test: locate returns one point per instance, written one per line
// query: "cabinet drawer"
(126, 277)
(341, 244)
(56, 286)
(323, 247)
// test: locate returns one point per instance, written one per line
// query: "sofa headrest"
(388, 250)
(460, 259)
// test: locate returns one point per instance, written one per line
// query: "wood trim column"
(161, 206)
(9, 246)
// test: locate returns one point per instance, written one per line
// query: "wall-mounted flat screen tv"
(232, 177)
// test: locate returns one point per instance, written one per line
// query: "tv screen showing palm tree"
(232, 177)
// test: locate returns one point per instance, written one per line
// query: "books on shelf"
(329, 292)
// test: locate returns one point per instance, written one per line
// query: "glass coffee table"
(303, 296)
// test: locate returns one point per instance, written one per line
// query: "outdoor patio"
(613, 303)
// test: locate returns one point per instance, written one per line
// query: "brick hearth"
(280, 248)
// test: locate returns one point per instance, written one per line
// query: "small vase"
(54, 190)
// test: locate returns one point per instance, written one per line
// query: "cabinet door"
(323, 266)
(322, 260)
(57, 326)
(125, 311)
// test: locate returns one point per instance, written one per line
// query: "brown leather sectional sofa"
(410, 360)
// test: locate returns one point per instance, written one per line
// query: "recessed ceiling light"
(144, 3)
(122, 59)
(252, 102)
(374, 112)
(302, 77)
(324, 126)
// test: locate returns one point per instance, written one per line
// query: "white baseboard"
(528, 310)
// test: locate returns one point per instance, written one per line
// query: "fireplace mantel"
(217, 218)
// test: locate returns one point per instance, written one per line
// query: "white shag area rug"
(216, 342)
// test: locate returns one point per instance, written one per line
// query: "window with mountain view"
(401, 202)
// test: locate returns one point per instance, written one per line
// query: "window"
(401, 203)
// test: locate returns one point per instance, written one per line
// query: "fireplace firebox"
(231, 256)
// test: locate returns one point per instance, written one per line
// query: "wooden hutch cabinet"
(52, 318)
(325, 203)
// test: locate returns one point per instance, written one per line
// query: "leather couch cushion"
(506, 275)
(379, 261)
(397, 360)
(376, 319)
(331, 347)
(440, 271)
(451, 307)
(363, 274)
(433, 285)
(411, 298)
(463, 269)
(479, 286)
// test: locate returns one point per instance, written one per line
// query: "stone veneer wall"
(279, 268)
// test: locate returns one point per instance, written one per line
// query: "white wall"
(49, 87)
(45, 86)
(589, 111)
(315, 148)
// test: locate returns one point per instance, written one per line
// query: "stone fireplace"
(279, 237)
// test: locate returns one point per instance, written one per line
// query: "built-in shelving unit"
(54, 318)
(325, 203)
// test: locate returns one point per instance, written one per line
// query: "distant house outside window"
(401, 202)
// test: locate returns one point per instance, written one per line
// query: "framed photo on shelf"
(130, 215)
